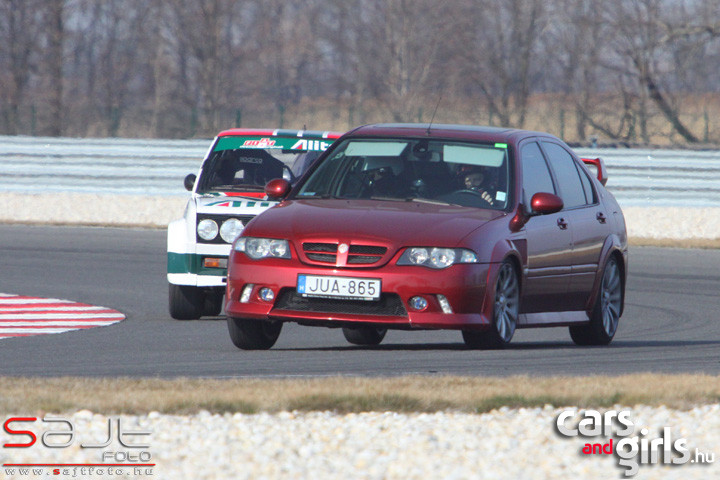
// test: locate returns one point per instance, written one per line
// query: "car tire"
(212, 302)
(506, 311)
(185, 302)
(249, 334)
(364, 335)
(605, 315)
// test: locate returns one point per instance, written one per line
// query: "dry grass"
(553, 113)
(706, 243)
(343, 394)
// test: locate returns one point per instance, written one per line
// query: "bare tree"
(19, 45)
(107, 62)
(503, 43)
(411, 35)
(205, 38)
(186, 67)
(646, 31)
(574, 45)
(54, 61)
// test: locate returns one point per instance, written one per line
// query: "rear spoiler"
(598, 166)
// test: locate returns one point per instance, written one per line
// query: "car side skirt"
(552, 319)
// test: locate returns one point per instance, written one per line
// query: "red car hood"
(394, 224)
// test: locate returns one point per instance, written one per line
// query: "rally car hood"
(392, 223)
(232, 203)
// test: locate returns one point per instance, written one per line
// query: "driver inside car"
(225, 173)
(477, 179)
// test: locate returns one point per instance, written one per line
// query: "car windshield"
(249, 169)
(460, 173)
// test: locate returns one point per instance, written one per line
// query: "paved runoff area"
(502, 444)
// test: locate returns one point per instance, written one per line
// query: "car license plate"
(344, 288)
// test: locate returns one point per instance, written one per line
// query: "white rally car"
(227, 193)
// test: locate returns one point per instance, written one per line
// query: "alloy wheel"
(507, 301)
(611, 298)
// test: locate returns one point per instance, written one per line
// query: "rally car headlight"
(436, 257)
(257, 248)
(231, 229)
(207, 229)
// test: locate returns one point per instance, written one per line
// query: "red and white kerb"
(22, 316)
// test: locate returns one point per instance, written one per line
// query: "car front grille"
(389, 304)
(357, 254)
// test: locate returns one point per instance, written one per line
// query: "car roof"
(464, 132)
(278, 132)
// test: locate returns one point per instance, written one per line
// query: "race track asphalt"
(671, 322)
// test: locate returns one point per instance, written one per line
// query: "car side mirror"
(543, 203)
(190, 182)
(277, 188)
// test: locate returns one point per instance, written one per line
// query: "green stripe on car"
(192, 263)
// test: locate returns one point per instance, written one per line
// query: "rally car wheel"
(249, 334)
(605, 315)
(505, 312)
(364, 335)
(186, 303)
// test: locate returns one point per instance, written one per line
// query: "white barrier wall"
(672, 223)
(671, 194)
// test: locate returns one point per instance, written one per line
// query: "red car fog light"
(418, 303)
(444, 304)
(247, 291)
(267, 294)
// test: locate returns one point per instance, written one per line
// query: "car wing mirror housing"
(189, 182)
(543, 203)
(540, 204)
(277, 188)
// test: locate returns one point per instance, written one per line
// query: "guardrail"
(111, 166)
(157, 167)
(661, 177)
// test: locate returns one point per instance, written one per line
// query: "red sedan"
(403, 226)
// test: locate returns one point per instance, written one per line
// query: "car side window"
(535, 173)
(567, 175)
(587, 185)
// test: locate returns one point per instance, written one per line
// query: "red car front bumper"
(463, 285)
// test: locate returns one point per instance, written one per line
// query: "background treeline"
(635, 71)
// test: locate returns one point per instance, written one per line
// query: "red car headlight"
(257, 248)
(434, 257)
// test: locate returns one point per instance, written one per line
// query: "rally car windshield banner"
(280, 143)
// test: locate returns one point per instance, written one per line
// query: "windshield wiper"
(323, 196)
(428, 200)
(387, 199)
(241, 186)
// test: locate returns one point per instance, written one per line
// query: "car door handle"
(562, 224)
(601, 217)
